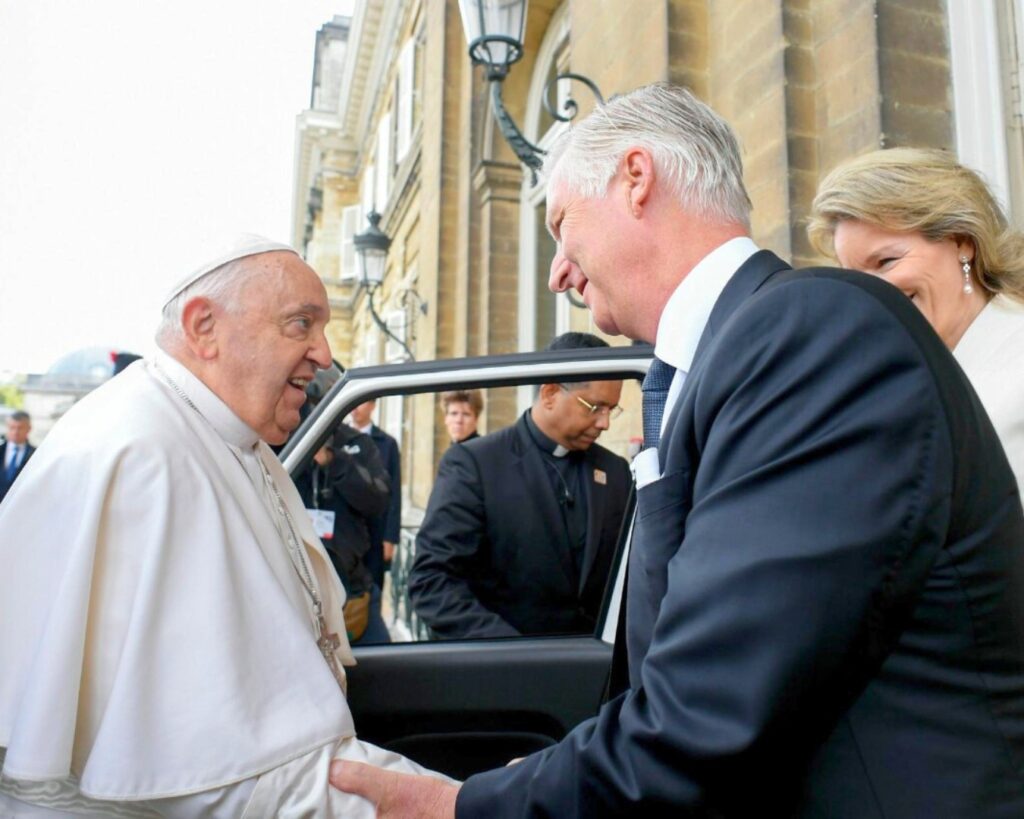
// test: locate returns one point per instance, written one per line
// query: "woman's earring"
(968, 287)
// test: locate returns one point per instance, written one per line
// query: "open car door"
(464, 706)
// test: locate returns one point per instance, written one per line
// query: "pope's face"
(460, 420)
(928, 272)
(17, 431)
(595, 255)
(270, 348)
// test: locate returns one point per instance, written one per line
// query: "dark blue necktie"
(12, 465)
(655, 389)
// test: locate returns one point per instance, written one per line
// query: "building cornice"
(374, 30)
(368, 56)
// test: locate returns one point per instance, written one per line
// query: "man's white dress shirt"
(682, 324)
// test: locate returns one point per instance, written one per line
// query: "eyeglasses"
(612, 412)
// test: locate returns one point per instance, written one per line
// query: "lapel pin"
(600, 477)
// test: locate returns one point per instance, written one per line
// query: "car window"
(505, 514)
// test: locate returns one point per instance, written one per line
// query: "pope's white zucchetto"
(237, 247)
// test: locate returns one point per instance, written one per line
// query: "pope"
(171, 631)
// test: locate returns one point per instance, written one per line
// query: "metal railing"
(403, 622)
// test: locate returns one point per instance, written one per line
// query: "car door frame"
(465, 705)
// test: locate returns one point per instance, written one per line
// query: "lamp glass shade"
(494, 18)
(372, 251)
(372, 263)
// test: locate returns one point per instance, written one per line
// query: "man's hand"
(396, 795)
(389, 551)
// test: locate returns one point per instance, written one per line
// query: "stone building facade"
(400, 123)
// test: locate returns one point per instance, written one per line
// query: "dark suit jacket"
(826, 586)
(387, 525)
(4, 483)
(493, 557)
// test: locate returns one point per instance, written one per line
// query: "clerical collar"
(221, 417)
(542, 441)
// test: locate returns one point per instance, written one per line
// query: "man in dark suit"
(385, 528)
(826, 581)
(15, 451)
(522, 524)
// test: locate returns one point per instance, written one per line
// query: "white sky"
(131, 133)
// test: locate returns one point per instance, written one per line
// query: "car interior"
(467, 705)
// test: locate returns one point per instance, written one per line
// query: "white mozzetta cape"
(154, 638)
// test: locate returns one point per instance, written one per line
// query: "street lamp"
(372, 247)
(494, 31)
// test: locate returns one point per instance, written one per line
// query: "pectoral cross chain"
(328, 643)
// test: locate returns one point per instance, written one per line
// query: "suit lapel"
(746, 281)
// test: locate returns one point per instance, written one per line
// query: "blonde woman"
(932, 228)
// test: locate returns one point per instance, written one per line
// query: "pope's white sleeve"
(298, 788)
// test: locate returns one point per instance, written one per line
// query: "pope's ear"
(199, 325)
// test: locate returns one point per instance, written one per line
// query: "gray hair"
(693, 148)
(222, 285)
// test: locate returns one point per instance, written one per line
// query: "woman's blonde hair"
(926, 191)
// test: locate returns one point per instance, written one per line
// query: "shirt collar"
(220, 416)
(689, 307)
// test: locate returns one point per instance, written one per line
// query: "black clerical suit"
(826, 584)
(5, 483)
(495, 555)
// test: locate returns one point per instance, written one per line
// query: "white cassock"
(157, 648)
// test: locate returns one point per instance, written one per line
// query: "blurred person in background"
(462, 410)
(385, 528)
(15, 450)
